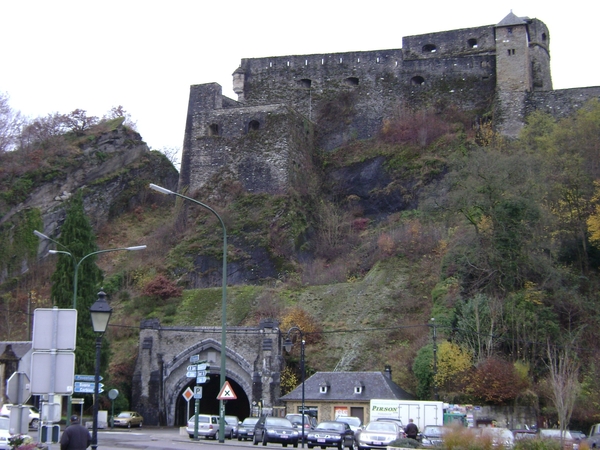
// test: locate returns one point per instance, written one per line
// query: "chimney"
(388, 372)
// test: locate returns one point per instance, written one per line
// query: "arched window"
(351, 81)
(213, 129)
(417, 81)
(472, 43)
(253, 125)
(305, 83)
(429, 48)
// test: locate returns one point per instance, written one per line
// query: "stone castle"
(289, 106)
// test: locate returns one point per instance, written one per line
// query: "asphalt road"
(160, 438)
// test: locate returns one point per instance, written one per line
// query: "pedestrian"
(411, 430)
(75, 436)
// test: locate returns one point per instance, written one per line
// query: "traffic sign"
(81, 384)
(18, 388)
(226, 392)
(197, 391)
(44, 381)
(201, 380)
(87, 378)
(193, 367)
(88, 390)
(191, 374)
(188, 394)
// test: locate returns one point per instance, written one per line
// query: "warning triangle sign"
(226, 393)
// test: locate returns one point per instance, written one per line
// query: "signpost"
(199, 372)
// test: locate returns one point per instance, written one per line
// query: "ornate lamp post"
(100, 312)
(223, 372)
(288, 347)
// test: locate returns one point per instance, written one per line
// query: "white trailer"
(421, 411)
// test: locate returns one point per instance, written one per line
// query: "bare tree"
(10, 124)
(563, 380)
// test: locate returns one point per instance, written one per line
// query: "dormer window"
(323, 388)
(359, 389)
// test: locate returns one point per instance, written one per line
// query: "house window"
(323, 389)
(358, 389)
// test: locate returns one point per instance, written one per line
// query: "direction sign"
(80, 384)
(201, 380)
(88, 390)
(87, 378)
(191, 374)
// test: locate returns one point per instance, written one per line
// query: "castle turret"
(239, 77)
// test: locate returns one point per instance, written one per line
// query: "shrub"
(405, 443)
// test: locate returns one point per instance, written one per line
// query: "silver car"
(378, 434)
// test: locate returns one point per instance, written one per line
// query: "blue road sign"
(87, 378)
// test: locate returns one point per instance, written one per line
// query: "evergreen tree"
(78, 237)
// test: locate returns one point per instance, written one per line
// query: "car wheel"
(231, 434)
(140, 425)
(309, 445)
(191, 436)
(239, 438)
(254, 440)
(35, 423)
(351, 446)
(128, 424)
(295, 444)
(264, 439)
(284, 445)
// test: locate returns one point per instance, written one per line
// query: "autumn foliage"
(495, 381)
(163, 288)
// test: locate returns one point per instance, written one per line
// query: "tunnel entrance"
(209, 403)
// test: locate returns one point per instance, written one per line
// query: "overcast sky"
(60, 55)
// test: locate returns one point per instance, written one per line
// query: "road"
(160, 438)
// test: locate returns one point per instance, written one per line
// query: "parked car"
(524, 434)
(579, 436)
(554, 433)
(231, 426)
(5, 434)
(275, 430)
(500, 437)
(378, 434)
(309, 421)
(331, 434)
(246, 428)
(354, 422)
(432, 436)
(34, 414)
(396, 421)
(208, 426)
(128, 419)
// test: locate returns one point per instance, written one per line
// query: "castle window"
(417, 81)
(509, 30)
(213, 129)
(429, 48)
(305, 83)
(511, 51)
(543, 37)
(253, 125)
(472, 43)
(351, 81)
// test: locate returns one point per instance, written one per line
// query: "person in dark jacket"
(75, 436)
(411, 430)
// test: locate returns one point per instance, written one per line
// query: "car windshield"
(354, 421)
(250, 421)
(231, 420)
(277, 422)
(337, 426)
(4, 423)
(432, 431)
(382, 426)
(125, 414)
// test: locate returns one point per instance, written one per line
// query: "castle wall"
(561, 102)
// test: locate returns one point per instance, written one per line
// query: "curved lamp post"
(76, 265)
(100, 312)
(288, 347)
(223, 303)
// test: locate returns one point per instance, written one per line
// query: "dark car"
(331, 434)
(246, 428)
(432, 436)
(310, 422)
(275, 430)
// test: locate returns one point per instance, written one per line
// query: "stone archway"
(253, 365)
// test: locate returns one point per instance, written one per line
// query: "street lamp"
(76, 265)
(223, 303)
(435, 386)
(288, 347)
(100, 312)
